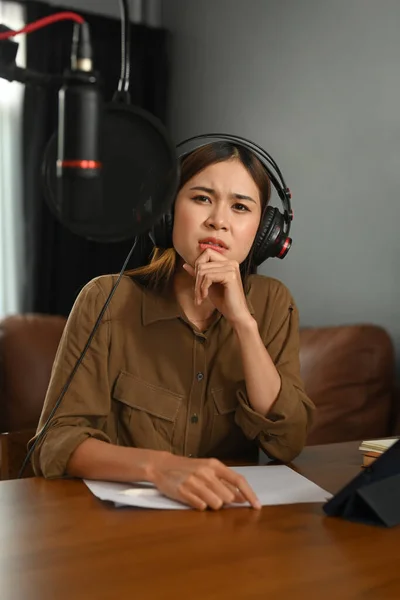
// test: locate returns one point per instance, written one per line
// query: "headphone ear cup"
(161, 232)
(266, 244)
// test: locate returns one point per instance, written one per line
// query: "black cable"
(123, 84)
(77, 364)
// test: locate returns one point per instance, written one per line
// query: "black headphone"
(272, 239)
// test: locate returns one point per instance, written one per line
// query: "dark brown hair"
(161, 268)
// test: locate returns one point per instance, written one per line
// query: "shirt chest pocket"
(148, 414)
(224, 428)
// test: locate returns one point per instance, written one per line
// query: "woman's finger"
(244, 488)
(189, 269)
(205, 279)
(225, 492)
(192, 500)
(206, 282)
(239, 482)
(202, 489)
(238, 497)
(217, 266)
(208, 255)
(215, 276)
(197, 287)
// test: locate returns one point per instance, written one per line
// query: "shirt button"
(200, 339)
(194, 418)
(199, 376)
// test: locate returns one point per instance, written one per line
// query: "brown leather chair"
(348, 372)
(28, 344)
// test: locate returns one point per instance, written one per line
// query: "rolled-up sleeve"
(86, 404)
(283, 431)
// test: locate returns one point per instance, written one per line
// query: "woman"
(195, 360)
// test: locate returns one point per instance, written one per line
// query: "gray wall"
(317, 83)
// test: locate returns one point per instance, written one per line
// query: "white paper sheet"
(272, 484)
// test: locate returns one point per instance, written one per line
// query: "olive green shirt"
(150, 379)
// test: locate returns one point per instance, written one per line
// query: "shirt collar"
(159, 306)
(164, 306)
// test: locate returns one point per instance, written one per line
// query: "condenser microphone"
(109, 170)
(137, 182)
(80, 109)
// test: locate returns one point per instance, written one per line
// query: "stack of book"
(371, 449)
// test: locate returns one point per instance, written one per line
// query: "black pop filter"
(139, 179)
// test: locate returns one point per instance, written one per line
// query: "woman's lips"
(219, 249)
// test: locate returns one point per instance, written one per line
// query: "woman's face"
(220, 206)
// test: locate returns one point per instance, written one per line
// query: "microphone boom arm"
(29, 77)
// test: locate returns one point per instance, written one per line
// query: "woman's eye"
(201, 198)
(241, 207)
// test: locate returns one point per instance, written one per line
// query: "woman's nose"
(218, 218)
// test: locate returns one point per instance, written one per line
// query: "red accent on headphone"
(284, 247)
(79, 164)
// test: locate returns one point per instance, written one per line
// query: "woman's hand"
(201, 483)
(219, 279)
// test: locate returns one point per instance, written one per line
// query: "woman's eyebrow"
(203, 189)
(242, 197)
(211, 191)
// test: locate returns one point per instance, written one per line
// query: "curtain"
(59, 263)
(12, 279)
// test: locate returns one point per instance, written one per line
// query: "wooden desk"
(59, 542)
